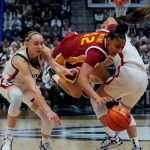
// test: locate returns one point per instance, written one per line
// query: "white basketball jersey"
(12, 74)
(129, 55)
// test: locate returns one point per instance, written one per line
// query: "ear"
(108, 40)
(26, 43)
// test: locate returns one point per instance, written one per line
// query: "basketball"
(118, 118)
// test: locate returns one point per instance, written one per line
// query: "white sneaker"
(110, 142)
(45, 146)
(7, 144)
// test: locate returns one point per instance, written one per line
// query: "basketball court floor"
(75, 133)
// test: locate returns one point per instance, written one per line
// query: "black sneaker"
(137, 148)
(110, 142)
(51, 73)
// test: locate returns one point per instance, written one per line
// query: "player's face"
(115, 46)
(36, 44)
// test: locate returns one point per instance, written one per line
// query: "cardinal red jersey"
(78, 48)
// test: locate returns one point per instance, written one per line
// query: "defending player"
(129, 83)
(18, 84)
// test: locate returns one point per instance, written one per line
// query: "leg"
(127, 101)
(99, 75)
(15, 96)
(129, 92)
(132, 129)
(46, 126)
(112, 139)
(72, 89)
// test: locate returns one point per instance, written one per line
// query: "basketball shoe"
(7, 144)
(51, 73)
(137, 148)
(45, 146)
(110, 142)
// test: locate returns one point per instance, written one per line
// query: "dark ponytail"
(119, 32)
(135, 16)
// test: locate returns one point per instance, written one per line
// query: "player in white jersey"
(129, 83)
(18, 84)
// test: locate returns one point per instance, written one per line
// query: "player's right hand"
(53, 118)
(108, 22)
(103, 100)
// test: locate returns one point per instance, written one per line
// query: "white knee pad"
(99, 110)
(46, 126)
(132, 123)
(15, 102)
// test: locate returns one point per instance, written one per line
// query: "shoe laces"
(108, 140)
(47, 146)
(8, 138)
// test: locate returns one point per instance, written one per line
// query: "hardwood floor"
(75, 133)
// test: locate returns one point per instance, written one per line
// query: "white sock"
(110, 132)
(135, 142)
(9, 132)
(45, 140)
(56, 78)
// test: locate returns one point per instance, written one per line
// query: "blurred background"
(54, 19)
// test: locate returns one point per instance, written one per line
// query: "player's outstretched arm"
(83, 80)
(39, 102)
(46, 54)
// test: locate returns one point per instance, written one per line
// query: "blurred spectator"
(66, 27)
(7, 26)
(15, 45)
(141, 37)
(17, 13)
(65, 30)
(26, 8)
(9, 1)
(56, 41)
(45, 29)
(48, 42)
(99, 16)
(36, 26)
(65, 9)
(56, 22)
(16, 26)
(46, 14)
(7, 14)
(28, 23)
(56, 32)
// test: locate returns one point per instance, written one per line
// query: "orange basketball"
(118, 118)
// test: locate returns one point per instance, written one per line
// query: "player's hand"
(53, 117)
(70, 72)
(103, 100)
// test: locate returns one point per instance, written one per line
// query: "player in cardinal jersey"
(128, 83)
(86, 51)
